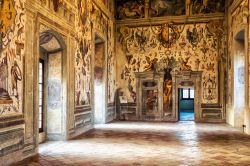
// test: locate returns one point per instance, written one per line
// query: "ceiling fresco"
(130, 9)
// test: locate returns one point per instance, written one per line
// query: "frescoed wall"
(111, 59)
(12, 41)
(169, 47)
(74, 21)
(138, 9)
(237, 112)
(83, 56)
(130, 9)
(208, 6)
(93, 21)
(159, 8)
(139, 35)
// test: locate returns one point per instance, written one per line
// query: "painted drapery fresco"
(169, 47)
(11, 56)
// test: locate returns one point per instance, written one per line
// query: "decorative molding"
(104, 9)
(191, 76)
(234, 5)
(177, 19)
(11, 141)
(11, 123)
(82, 109)
(82, 120)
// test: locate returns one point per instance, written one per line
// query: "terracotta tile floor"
(149, 144)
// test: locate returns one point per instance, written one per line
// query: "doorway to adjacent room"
(186, 104)
(99, 80)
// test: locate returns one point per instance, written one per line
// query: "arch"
(49, 36)
(53, 52)
(99, 78)
(239, 81)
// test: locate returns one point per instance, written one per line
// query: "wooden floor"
(149, 144)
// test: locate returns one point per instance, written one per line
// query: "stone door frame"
(186, 79)
(149, 76)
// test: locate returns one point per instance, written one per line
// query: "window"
(187, 94)
(41, 95)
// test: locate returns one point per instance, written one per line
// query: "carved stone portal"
(149, 95)
(187, 79)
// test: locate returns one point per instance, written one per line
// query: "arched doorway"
(51, 87)
(100, 80)
(239, 79)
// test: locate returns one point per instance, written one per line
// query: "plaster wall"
(54, 102)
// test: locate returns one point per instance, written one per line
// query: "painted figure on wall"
(193, 36)
(167, 97)
(81, 91)
(167, 8)
(4, 94)
(208, 6)
(167, 90)
(15, 76)
(209, 87)
(151, 102)
(130, 9)
(82, 88)
(11, 54)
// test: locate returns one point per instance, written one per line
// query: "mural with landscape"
(171, 47)
(11, 56)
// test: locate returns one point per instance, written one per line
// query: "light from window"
(191, 94)
(188, 93)
(41, 94)
(185, 94)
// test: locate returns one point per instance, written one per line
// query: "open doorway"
(50, 87)
(239, 79)
(186, 104)
(99, 81)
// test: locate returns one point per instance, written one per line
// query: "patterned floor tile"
(149, 144)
